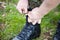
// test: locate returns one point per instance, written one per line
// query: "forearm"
(47, 6)
(23, 0)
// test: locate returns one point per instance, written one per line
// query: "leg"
(57, 35)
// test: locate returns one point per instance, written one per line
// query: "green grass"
(14, 22)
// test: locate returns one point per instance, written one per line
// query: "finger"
(25, 11)
(39, 21)
(29, 14)
(29, 17)
(29, 20)
(34, 22)
(20, 11)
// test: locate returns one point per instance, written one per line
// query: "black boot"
(57, 35)
(29, 31)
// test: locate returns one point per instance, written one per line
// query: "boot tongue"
(58, 26)
(57, 35)
(58, 29)
(59, 23)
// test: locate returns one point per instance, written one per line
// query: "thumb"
(29, 19)
(26, 10)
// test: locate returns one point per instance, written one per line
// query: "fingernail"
(29, 20)
(34, 23)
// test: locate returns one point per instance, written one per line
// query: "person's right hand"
(22, 6)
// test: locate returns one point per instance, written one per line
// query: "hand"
(34, 16)
(22, 6)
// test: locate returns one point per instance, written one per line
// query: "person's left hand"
(34, 16)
